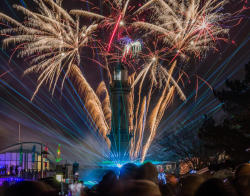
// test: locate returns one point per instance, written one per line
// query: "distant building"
(26, 156)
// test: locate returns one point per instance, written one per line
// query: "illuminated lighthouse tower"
(119, 136)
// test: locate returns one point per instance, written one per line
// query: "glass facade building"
(13, 159)
(26, 156)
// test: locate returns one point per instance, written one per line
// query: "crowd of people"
(17, 171)
(11, 170)
(144, 181)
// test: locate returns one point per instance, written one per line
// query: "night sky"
(60, 119)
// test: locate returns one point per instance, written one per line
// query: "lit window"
(118, 75)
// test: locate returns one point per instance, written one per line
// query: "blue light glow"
(11, 180)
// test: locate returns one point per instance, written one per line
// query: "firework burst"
(52, 40)
(187, 27)
(118, 20)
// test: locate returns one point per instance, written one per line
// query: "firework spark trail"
(155, 118)
(50, 35)
(54, 38)
(189, 28)
(114, 32)
(91, 101)
(140, 128)
(138, 105)
(116, 17)
(158, 111)
(213, 74)
(139, 116)
(166, 76)
(102, 89)
(131, 79)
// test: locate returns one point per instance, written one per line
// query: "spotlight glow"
(119, 165)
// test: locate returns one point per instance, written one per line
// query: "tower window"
(118, 75)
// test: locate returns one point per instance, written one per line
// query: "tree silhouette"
(233, 135)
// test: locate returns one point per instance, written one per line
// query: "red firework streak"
(3, 74)
(114, 32)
